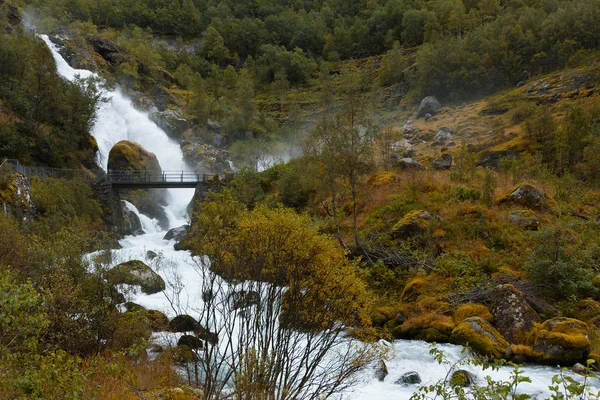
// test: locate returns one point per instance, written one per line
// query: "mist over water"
(117, 119)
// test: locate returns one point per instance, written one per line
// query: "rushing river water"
(117, 120)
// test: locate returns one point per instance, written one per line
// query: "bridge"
(120, 179)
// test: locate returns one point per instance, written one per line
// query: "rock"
(523, 78)
(406, 163)
(245, 299)
(430, 327)
(472, 310)
(130, 306)
(108, 50)
(450, 144)
(429, 105)
(155, 348)
(413, 223)
(481, 337)
(461, 378)
(135, 272)
(151, 255)
(133, 225)
(183, 323)
(579, 369)
(400, 317)
(428, 117)
(562, 341)
(381, 371)
(588, 310)
(529, 196)
(159, 322)
(131, 157)
(171, 121)
(525, 219)
(442, 162)
(409, 378)
(214, 125)
(191, 341)
(513, 316)
(443, 135)
(180, 233)
(408, 129)
(401, 145)
(208, 158)
(206, 335)
(492, 159)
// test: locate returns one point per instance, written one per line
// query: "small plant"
(466, 194)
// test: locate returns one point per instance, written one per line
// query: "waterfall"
(117, 119)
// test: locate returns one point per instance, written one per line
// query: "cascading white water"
(117, 120)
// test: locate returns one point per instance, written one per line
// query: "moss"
(135, 272)
(562, 340)
(382, 178)
(413, 289)
(430, 327)
(588, 309)
(472, 310)
(129, 156)
(480, 336)
(461, 378)
(413, 223)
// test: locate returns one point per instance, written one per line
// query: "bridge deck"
(122, 179)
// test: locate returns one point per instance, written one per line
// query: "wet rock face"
(429, 105)
(132, 223)
(513, 316)
(171, 121)
(207, 158)
(180, 233)
(409, 378)
(108, 50)
(381, 371)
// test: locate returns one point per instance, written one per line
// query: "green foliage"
(467, 274)
(465, 194)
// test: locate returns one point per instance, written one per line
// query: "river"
(117, 119)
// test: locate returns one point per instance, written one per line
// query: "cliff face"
(15, 197)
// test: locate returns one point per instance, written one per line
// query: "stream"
(117, 119)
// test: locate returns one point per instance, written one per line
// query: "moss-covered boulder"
(526, 219)
(207, 335)
(528, 196)
(413, 289)
(191, 341)
(588, 310)
(183, 323)
(513, 316)
(159, 322)
(131, 157)
(562, 341)
(430, 327)
(472, 310)
(480, 336)
(413, 223)
(135, 272)
(461, 378)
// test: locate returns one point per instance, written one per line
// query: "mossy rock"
(430, 327)
(588, 309)
(207, 335)
(191, 341)
(461, 378)
(135, 272)
(481, 337)
(472, 310)
(130, 156)
(513, 316)
(381, 315)
(413, 289)
(525, 219)
(159, 322)
(529, 196)
(413, 223)
(562, 341)
(183, 323)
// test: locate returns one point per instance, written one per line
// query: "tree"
(214, 46)
(278, 295)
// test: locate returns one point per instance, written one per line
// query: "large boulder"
(131, 157)
(191, 341)
(562, 341)
(180, 233)
(481, 337)
(526, 219)
(171, 121)
(513, 316)
(135, 272)
(461, 378)
(430, 327)
(207, 158)
(529, 196)
(413, 223)
(429, 105)
(183, 323)
(405, 163)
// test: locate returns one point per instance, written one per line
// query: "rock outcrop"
(171, 121)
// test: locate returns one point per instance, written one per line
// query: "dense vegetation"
(435, 249)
